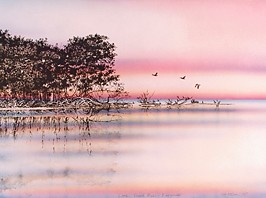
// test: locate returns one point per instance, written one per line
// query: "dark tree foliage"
(34, 69)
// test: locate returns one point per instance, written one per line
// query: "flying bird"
(197, 85)
(156, 74)
(183, 77)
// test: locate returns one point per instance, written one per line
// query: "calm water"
(195, 152)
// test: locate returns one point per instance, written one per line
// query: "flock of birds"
(182, 77)
(197, 86)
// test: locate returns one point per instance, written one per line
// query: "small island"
(38, 77)
(35, 74)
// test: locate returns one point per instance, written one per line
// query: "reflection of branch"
(12, 125)
(58, 128)
(110, 118)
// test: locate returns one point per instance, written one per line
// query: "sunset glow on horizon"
(219, 44)
(151, 98)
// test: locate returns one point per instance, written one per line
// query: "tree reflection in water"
(65, 148)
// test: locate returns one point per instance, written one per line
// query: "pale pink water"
(159, 153)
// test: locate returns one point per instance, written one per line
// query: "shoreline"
(118, 106)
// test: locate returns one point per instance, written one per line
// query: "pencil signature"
(149, 195)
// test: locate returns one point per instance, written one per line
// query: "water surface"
(192, 152)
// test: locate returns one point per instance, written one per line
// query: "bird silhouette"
(183, 77)
(156, 74)
(197, 86)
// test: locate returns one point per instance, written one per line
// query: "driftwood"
(86, 105)
(150, 104)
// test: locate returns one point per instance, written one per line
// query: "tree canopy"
(35, 69)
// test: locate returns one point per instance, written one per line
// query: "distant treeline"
(35, 69)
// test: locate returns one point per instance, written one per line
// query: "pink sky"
(219, 44)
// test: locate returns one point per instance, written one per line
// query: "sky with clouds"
(218, 44)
